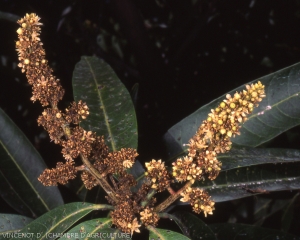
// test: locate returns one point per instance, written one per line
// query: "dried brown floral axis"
(48, 90)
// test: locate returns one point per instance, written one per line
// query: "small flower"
(79, 142)
(157, 174)
(118, 161)
(199, 200)
(149, 217)
(88, 180)
(186, 170)
(76, 111)
(127, 163)
(61, 174)
(185, 194)
(134, 226)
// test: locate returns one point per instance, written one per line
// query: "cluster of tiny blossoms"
(132, 209)
(212, 138)
(46, 88)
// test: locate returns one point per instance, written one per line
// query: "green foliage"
(246, 170)
(111, 110)
(242, 231)
(21, 165)
(278, 112)
(157, 234)
(57, 221)
(192, 226)
(12, 222)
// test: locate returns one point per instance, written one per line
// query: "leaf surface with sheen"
(111, 109)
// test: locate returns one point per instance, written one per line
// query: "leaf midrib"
(67, 217)
(103, 107)
(24, 175)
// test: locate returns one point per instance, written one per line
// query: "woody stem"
(172, 198)
(101, 180)
(148, 198)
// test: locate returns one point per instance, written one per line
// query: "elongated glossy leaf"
(192, 226)
(20, 166)
(288, 214)
(246, 232)
(9, 16)
(96, 228)
(278, 112)
(112, 112)
(247, 181)
(266, 207)
(10, 223)
(241, 157)
(137, 171)
(162, 234)
(52, 224)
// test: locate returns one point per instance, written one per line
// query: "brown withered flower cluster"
(158, 175)
(45, 87)
(99, 166)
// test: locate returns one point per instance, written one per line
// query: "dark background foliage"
(182, 55)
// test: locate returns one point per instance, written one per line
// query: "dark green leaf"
(278, 112)
(137, 171)
(96, 228)
(134, 94)
(9, 16)
(288, 214)
(57, 221)
(112, 113)
(10, 223)
(265, 207)
(20, 166)
(192, 226)
(95, 195)
(241, 157)
(247, 181)
(162, 234)
(262, 207)
(243, 232)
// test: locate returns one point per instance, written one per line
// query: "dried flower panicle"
(157, 174)
(149, 217)
(99, 149)
(61, 174)
(79, 142)
(126, 181)
(199, 199)
(121, 160)
(52, 122)
(88, 180)
(123, 216)
(46, 88)
(76, 112)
